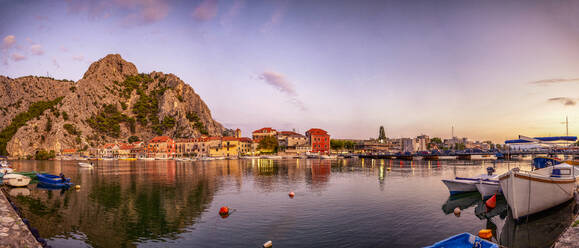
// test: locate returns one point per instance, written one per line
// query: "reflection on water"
(338, 203)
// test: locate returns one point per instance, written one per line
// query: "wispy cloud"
(36, 49)
(17, 57)
(276, 16)
(8, 41)
(78, 58)
(227, 18)
(206, 10)
(132, 12)
(564, 100)
(555, 81)
(55, 63)
(280, 82)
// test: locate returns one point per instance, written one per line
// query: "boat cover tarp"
(547, 139)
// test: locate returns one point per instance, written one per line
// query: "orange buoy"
(292, 194)
(224, 211)
(457, 211)
(485, 234)
(492, 202)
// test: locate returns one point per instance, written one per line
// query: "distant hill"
(111, 102)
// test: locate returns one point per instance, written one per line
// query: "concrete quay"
(570, 238)
(13, 231)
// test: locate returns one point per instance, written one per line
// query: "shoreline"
(14, 232)
(570, 238)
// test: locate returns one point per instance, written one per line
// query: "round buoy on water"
(492, 202)
(292, 194)
(485, 234)
(457, 211)
(77, 186)
(224, 211)
(267, 244)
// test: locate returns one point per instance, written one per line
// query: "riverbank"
(570, 238)
(13, 231)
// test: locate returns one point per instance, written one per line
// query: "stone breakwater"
(13, 230)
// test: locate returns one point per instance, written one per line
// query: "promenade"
(13, 231)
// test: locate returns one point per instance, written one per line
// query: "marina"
(394, 202)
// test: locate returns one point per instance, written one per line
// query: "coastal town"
(268, 141)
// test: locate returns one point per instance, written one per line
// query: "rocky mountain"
(112, 102)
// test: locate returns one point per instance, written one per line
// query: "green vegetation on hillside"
(193, 117)
(71, 129)
(34, 110)
(44, 155)
(108, 121)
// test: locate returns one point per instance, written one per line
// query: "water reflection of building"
(121, 204)
(320, 171)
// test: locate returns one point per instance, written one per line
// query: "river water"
(338, 203)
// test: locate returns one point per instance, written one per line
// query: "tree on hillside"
(133, 139)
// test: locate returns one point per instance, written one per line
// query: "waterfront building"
(161, 147)
(319, 141)
(292, 142)
(259, 134)
(408, 145)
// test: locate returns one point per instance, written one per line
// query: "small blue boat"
(465, 240)
(542, 162)
(53, 181)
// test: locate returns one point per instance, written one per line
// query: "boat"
(530, 192)
(488, 188)
(146, 158)
(465, 240)
(542, 162)
(468, 184)
(6, 170)
(31, 174)
(53, 181)
(16, 180)
(85, 165)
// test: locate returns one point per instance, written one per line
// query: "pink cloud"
(280, 82)
(36, 49)
(17, 57)
(206, 11)
(8, 41)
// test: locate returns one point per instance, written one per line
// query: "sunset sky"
(493, 69)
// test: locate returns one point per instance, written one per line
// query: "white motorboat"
(147, 159)
(488, 188)
(468, 184)
(16, 180)
(530, 192)
(6, 170)
(85, 165)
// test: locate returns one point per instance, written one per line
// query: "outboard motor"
(490, 171)
(62, 177)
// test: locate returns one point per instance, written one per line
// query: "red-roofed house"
(161, 147)
(263, 132)
(319, 141)
(292, 142)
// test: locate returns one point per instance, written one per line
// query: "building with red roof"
(319, 140)
(161, 147)
(259, 134)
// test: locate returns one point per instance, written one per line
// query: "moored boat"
(85, 165)
(488, 188)
(49, 180)
(530, 192)
(465, 240)
(16, 180)
(468, 184)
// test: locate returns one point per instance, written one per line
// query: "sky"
(492, 69)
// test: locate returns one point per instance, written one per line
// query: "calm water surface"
(338, 203)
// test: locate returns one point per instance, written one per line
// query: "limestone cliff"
(110, 103)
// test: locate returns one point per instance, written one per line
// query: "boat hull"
(529, 193)
(487, 189)
(16, 180)
(458, 187)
